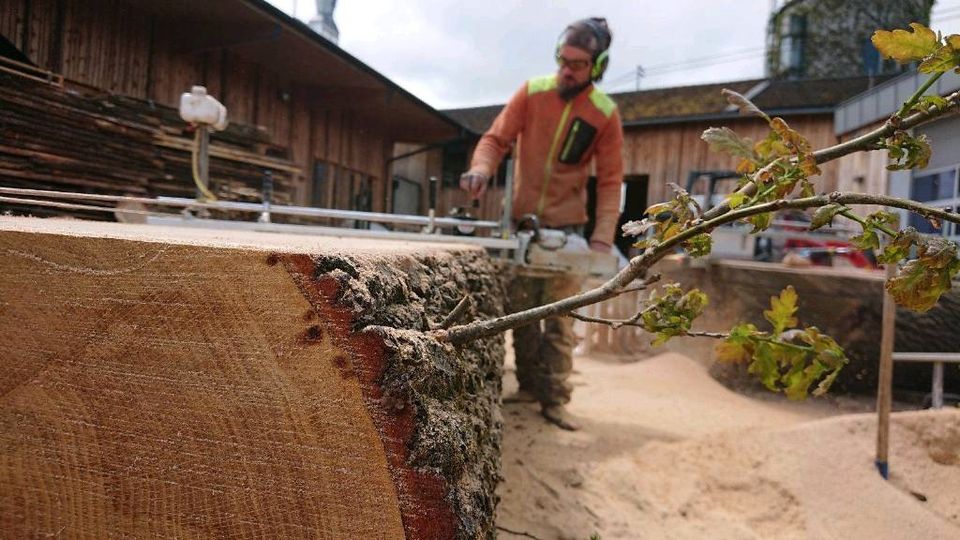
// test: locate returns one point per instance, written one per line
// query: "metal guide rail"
(67, 200)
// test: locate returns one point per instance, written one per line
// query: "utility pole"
(640, 74)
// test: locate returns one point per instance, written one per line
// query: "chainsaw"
(543, 252)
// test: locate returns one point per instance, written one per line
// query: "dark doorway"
(634, 205)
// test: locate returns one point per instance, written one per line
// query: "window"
(454, 163)
(793, 46)
(938, 188)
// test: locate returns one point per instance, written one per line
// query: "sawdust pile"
(666, 452)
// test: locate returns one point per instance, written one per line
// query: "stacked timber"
(172, 383)
(83, 141)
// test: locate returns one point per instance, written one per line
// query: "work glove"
(474, 183)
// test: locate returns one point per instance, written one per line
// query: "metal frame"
(177, 202)
(938, 359)
(319, 230)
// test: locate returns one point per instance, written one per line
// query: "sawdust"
(667, 452)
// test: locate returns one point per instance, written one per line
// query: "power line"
(692, 63)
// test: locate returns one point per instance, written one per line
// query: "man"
(561, 124)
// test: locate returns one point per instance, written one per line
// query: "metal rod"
(432, 210)
(926, 357)
(173, 221)
(507, 205)
(203, 158)
(256, 207)
(74, 206)
(936, 393)
(267, 196)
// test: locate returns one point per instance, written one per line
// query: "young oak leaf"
(637, 228)
(765, 366)
(725, 140)
(905, 46)
(746, 106)
(736, 199)
(947, 57)
(672, 312)
(782, 309)
(699, 246)
(921, 282)
(797, 381)
(825, 214)
(867, 240)
(760, 222)
(899, 248)
(737, 347)
(907, 152)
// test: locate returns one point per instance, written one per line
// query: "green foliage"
(921, 282)
(672, 312)
(777, 163)
(699, 246)
(905, 46)
(725, 140)
(782, 309)
(926, 103)
(668, 220)
(745, 106)
(825, 214)
(907, 151)
(945, 58)
(873, 225)
(899, 248)
(936, 53)
(785, 360)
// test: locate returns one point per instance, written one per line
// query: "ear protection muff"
(601, 58)
(600, 65)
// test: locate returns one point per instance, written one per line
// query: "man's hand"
(599, 247)
(474, 183)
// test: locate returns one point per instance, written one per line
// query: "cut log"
(171, 382)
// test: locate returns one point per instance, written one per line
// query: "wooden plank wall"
(112, 45)
(668, 153)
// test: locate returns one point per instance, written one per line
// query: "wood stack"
(72, 140)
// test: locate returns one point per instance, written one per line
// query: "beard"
(569, 90)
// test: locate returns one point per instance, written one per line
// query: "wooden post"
(885, 379)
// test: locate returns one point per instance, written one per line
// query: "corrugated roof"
(688, 103)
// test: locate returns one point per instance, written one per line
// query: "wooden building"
(89, 89)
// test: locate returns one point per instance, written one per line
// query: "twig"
(614, 323)
(643, 286)
(918, 94)
(850, 215)
(518, 533)
(867, 141)
(457, 312)
(715, 335)
(639, 265)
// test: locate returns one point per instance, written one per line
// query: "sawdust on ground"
(667, 452)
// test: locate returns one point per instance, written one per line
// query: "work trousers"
(544, 349)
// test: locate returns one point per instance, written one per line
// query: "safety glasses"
(575, 65)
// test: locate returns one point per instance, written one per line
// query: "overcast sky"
(452, 53)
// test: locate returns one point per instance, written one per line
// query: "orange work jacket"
(555, 143)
